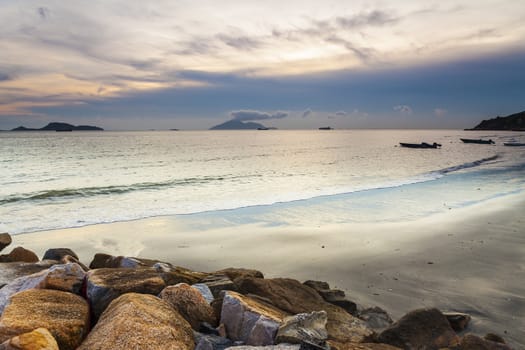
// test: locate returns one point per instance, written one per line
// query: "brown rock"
(58, 254)
(420, 329)
(139, 321)
(5, 240)
(293, 297)
(494, 337)
(19, 254)
(190, 304)
(362, 346)
(39, 339)
(376, 318)
(458, 321)
(105, 285)
(233, 273)
(65, 315)
(472, 342)
(317, 285)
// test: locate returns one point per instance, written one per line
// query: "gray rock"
(248, 320)
(317, 285)
(218, 283)
(269, 347)
(376, 318)
(205, 291)
(11, 271)
(305, 327)
(58, 254)
(211, 342)
(68, 278)
(5, 240)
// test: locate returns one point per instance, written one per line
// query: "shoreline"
(469, 259)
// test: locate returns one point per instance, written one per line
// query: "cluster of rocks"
(132, 303)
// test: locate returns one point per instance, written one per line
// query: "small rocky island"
(123, 303)
(515, 122)
(57, 126)
(235, 124)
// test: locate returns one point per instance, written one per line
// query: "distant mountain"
(511, 122)
(237, 125)
(61, 127)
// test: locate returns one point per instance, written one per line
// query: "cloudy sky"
(124, 64)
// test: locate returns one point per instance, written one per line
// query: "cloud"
(43, 12)
(307, 113)
(439, 112)
(250, 115)
(375, 18)
(239, 42)
(403, 109)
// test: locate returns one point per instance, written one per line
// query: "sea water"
(53, 180)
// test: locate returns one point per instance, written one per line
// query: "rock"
(140, 321)
(472, 342)
(190, 304)
(317, 285)
(58, 254)
(248, 320)
(39, 339)
(494, 337)
(205, 291)
(300, 328)
(11, 271)
(458, 321)
(68, 259)
(19, 254)
(212, 342)
(420, 329)
(293, 297)
(5, 240)
(269, 347)
(218, 283)
(99, 261)
(68, 278)
(64, 314)
(362, 346)
(376, 318)
(105, 285)
(234, 273)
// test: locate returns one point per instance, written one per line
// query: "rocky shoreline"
(120, 302)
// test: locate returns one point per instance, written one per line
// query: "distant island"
(55, 126)
(511, 122)
(235, 124)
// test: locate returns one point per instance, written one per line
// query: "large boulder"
(39, 339)
(205, 291)
(236, 272)
(140, 321)
(472, 342)
(304, 328)
(190, 304)
(420, 329)
(105, 285)
(19, 254)
(293, 297)
(58, 254)
(5, 240)
(64, 314)
(11, 271)
(249, 320)
(68, 278)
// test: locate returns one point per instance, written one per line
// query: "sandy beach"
(469, 260)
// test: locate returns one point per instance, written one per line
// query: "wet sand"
(469, 260)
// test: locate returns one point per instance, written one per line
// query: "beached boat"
(513, 143)
(420, 145)
(481, 141)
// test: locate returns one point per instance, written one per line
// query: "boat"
(513, 144)
(326, 128)
(420, 145)
(481, 141)
(263, 128)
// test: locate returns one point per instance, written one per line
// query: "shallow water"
(58, 180)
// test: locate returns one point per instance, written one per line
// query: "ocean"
(53, 180)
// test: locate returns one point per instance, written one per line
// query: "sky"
(295, 64)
